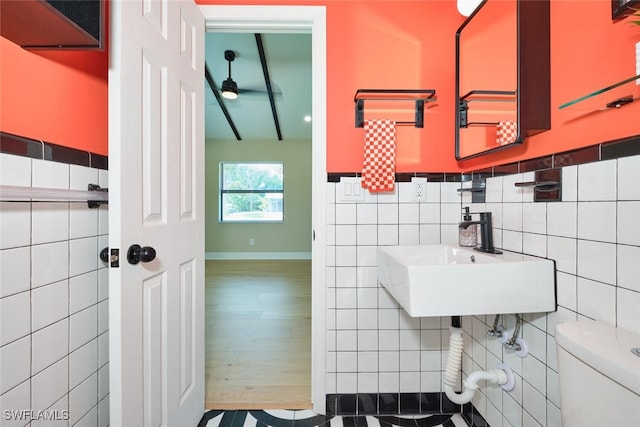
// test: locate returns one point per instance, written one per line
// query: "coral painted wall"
(56, 96)
(393, 45)
(62, 97)
(388, 45)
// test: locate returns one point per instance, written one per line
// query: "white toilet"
(599, 375)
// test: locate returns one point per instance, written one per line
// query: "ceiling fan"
(230, 88)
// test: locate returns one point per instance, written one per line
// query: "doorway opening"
(293, 19)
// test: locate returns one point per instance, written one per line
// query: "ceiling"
(288, 59)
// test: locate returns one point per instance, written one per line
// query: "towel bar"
(94, 196)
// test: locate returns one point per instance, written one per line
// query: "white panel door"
(156, 200)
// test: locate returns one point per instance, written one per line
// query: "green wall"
(291, 236)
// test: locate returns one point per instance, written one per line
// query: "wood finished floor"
(258, 334)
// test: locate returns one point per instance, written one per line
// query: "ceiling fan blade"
(242, 91)
(260, 88)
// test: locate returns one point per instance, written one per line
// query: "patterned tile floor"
(306, 418)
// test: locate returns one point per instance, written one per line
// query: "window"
(251, 192)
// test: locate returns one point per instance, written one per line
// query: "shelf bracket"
(419, 120)
(463, 108)
(359, 113)
(620, 102)
(477, 190)
(547, 185)
(95, 204)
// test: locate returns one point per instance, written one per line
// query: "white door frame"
(306, 19)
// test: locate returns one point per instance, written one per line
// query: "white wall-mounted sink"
(449, 280)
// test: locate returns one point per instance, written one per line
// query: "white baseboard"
(257, 255)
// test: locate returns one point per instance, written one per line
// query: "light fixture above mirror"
(466, 7)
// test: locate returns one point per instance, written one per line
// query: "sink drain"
(636, 351)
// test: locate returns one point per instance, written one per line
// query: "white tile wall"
(15, 226)
(15, 170)
(49, 385)
(590, 234)
(17, 397)
(49, 345)
(49, 222)
(373, 345)
(49, 304)
(15, 363)
(83, 327)
(83, 291)
(45, 174)
(49, 263)
(15, 313)
(83, 363)
(53, 297)
(83, 399)
(15, 266)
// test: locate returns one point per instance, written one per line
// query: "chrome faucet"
(486, 233)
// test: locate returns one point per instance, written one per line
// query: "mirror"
(502, 76)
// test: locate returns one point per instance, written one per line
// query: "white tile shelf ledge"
(11, 193)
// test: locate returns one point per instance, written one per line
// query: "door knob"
(104, 255)
(137, 253)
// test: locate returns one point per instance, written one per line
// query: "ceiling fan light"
(229, 89)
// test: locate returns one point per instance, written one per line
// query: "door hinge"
(115, 257)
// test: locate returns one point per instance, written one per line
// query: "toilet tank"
(599, 375)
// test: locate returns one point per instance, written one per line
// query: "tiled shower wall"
(374, 347)
(53, 299)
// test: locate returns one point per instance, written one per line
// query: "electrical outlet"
(351, 189)
(252, 242)
(419, 189)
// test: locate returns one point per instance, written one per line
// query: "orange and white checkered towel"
(506, 132)
(378, 171)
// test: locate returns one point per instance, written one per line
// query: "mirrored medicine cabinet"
(502, 76)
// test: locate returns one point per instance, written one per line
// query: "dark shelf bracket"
(463, 108)
(620, 102)
(477, 190)
(94, 204)
(547, 185)
(419, 120)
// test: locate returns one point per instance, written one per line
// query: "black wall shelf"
(420, 96)
(53, 24)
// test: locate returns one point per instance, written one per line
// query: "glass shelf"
(614, 96)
